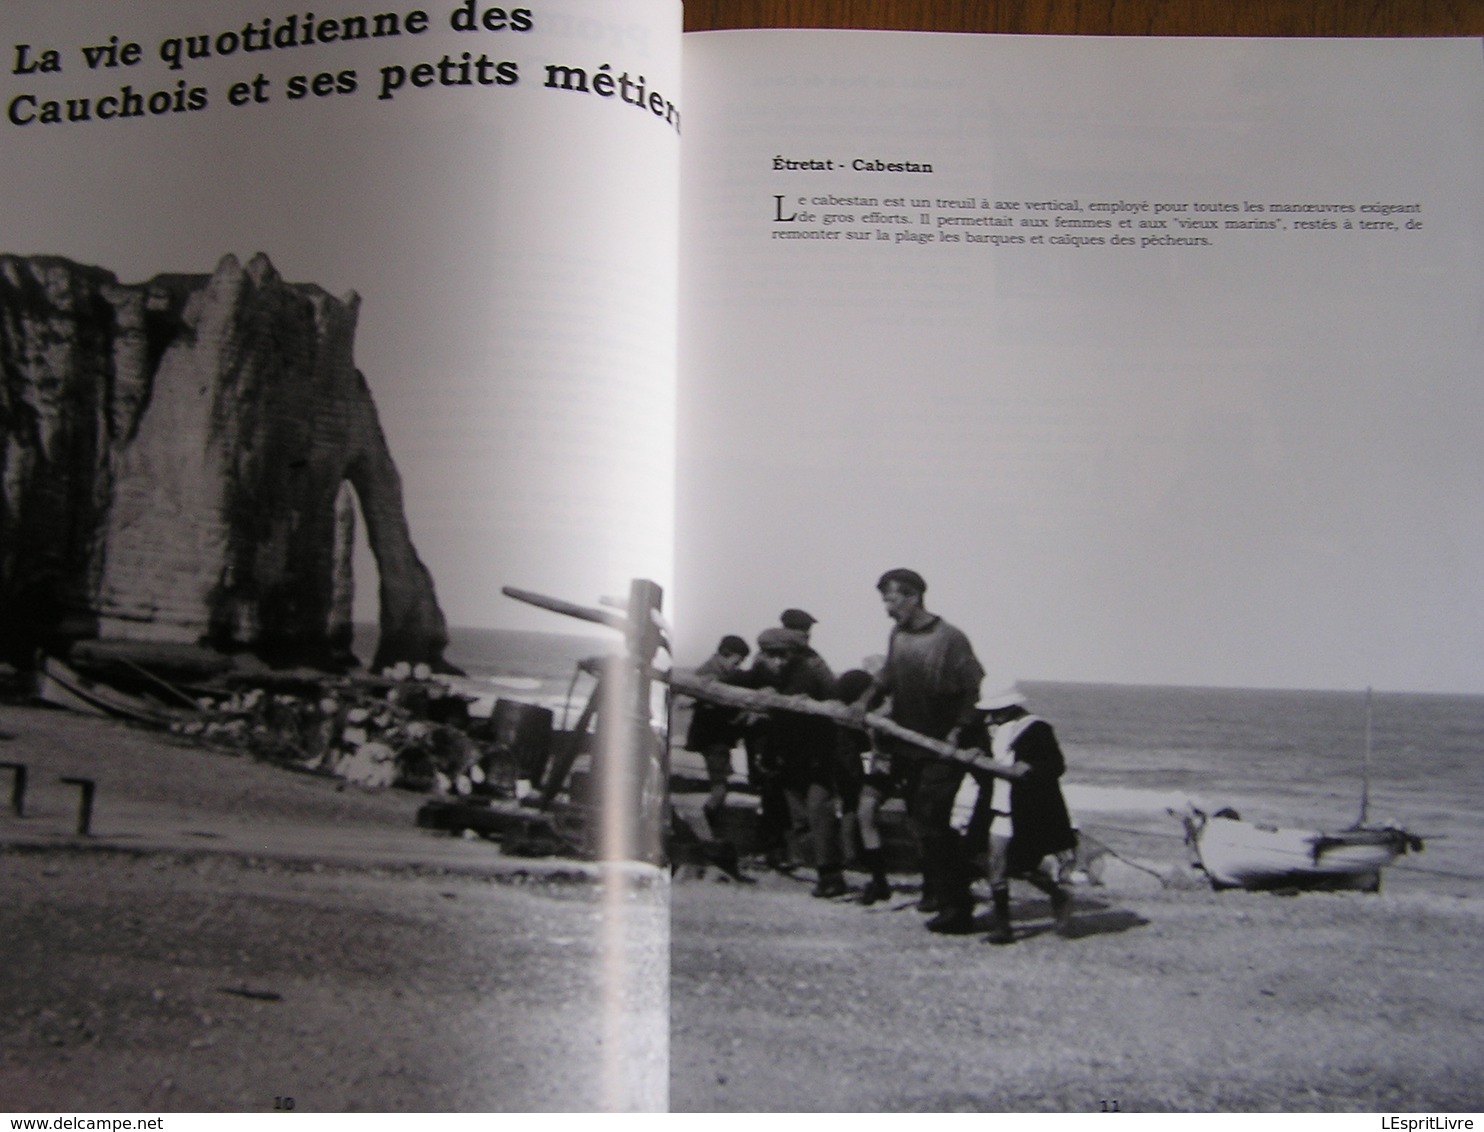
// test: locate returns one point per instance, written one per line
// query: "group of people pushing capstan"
(824, 781)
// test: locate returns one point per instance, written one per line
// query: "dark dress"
(1038, 811)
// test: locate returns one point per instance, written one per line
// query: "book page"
(1157, 363)
(336, 440)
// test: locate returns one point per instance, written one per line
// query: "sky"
(1252, 464)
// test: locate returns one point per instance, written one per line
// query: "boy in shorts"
(714, 730)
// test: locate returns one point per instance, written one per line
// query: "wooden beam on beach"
(761, 700)
(169, 687)
(627, 758)
(570, 609)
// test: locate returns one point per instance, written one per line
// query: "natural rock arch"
(172, 453)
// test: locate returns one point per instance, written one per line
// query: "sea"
(1138, 753)
(1284, 757)
(516, 664)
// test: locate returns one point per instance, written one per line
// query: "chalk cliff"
(173, 459)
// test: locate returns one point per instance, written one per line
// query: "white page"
(511, 237)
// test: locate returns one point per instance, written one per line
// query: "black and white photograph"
(1102, 413)
(335, 544)
(551, 563)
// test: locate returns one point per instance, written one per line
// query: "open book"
(397, 403)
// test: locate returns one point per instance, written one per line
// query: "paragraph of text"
(1076, 223)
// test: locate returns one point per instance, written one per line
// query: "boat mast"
(1365, 772)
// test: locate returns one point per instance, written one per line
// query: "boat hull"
(1239, 854)
(61, 686)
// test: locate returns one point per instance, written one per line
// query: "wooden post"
(630, 766)
(84, 805)
(631, 771)
(566, 754)
(17, 787)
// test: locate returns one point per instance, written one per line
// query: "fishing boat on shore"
(1241, 854)
(60, 685)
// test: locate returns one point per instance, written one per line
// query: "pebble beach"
(231, 934)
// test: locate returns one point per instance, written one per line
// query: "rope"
(1104, 847)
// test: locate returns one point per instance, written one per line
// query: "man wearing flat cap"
(801, 622)
(793, 755)
(933, 678)
(798, 619)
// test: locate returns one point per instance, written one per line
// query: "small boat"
(61, 686)
(1241, 854)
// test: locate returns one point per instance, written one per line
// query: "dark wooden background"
(1103, 17)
